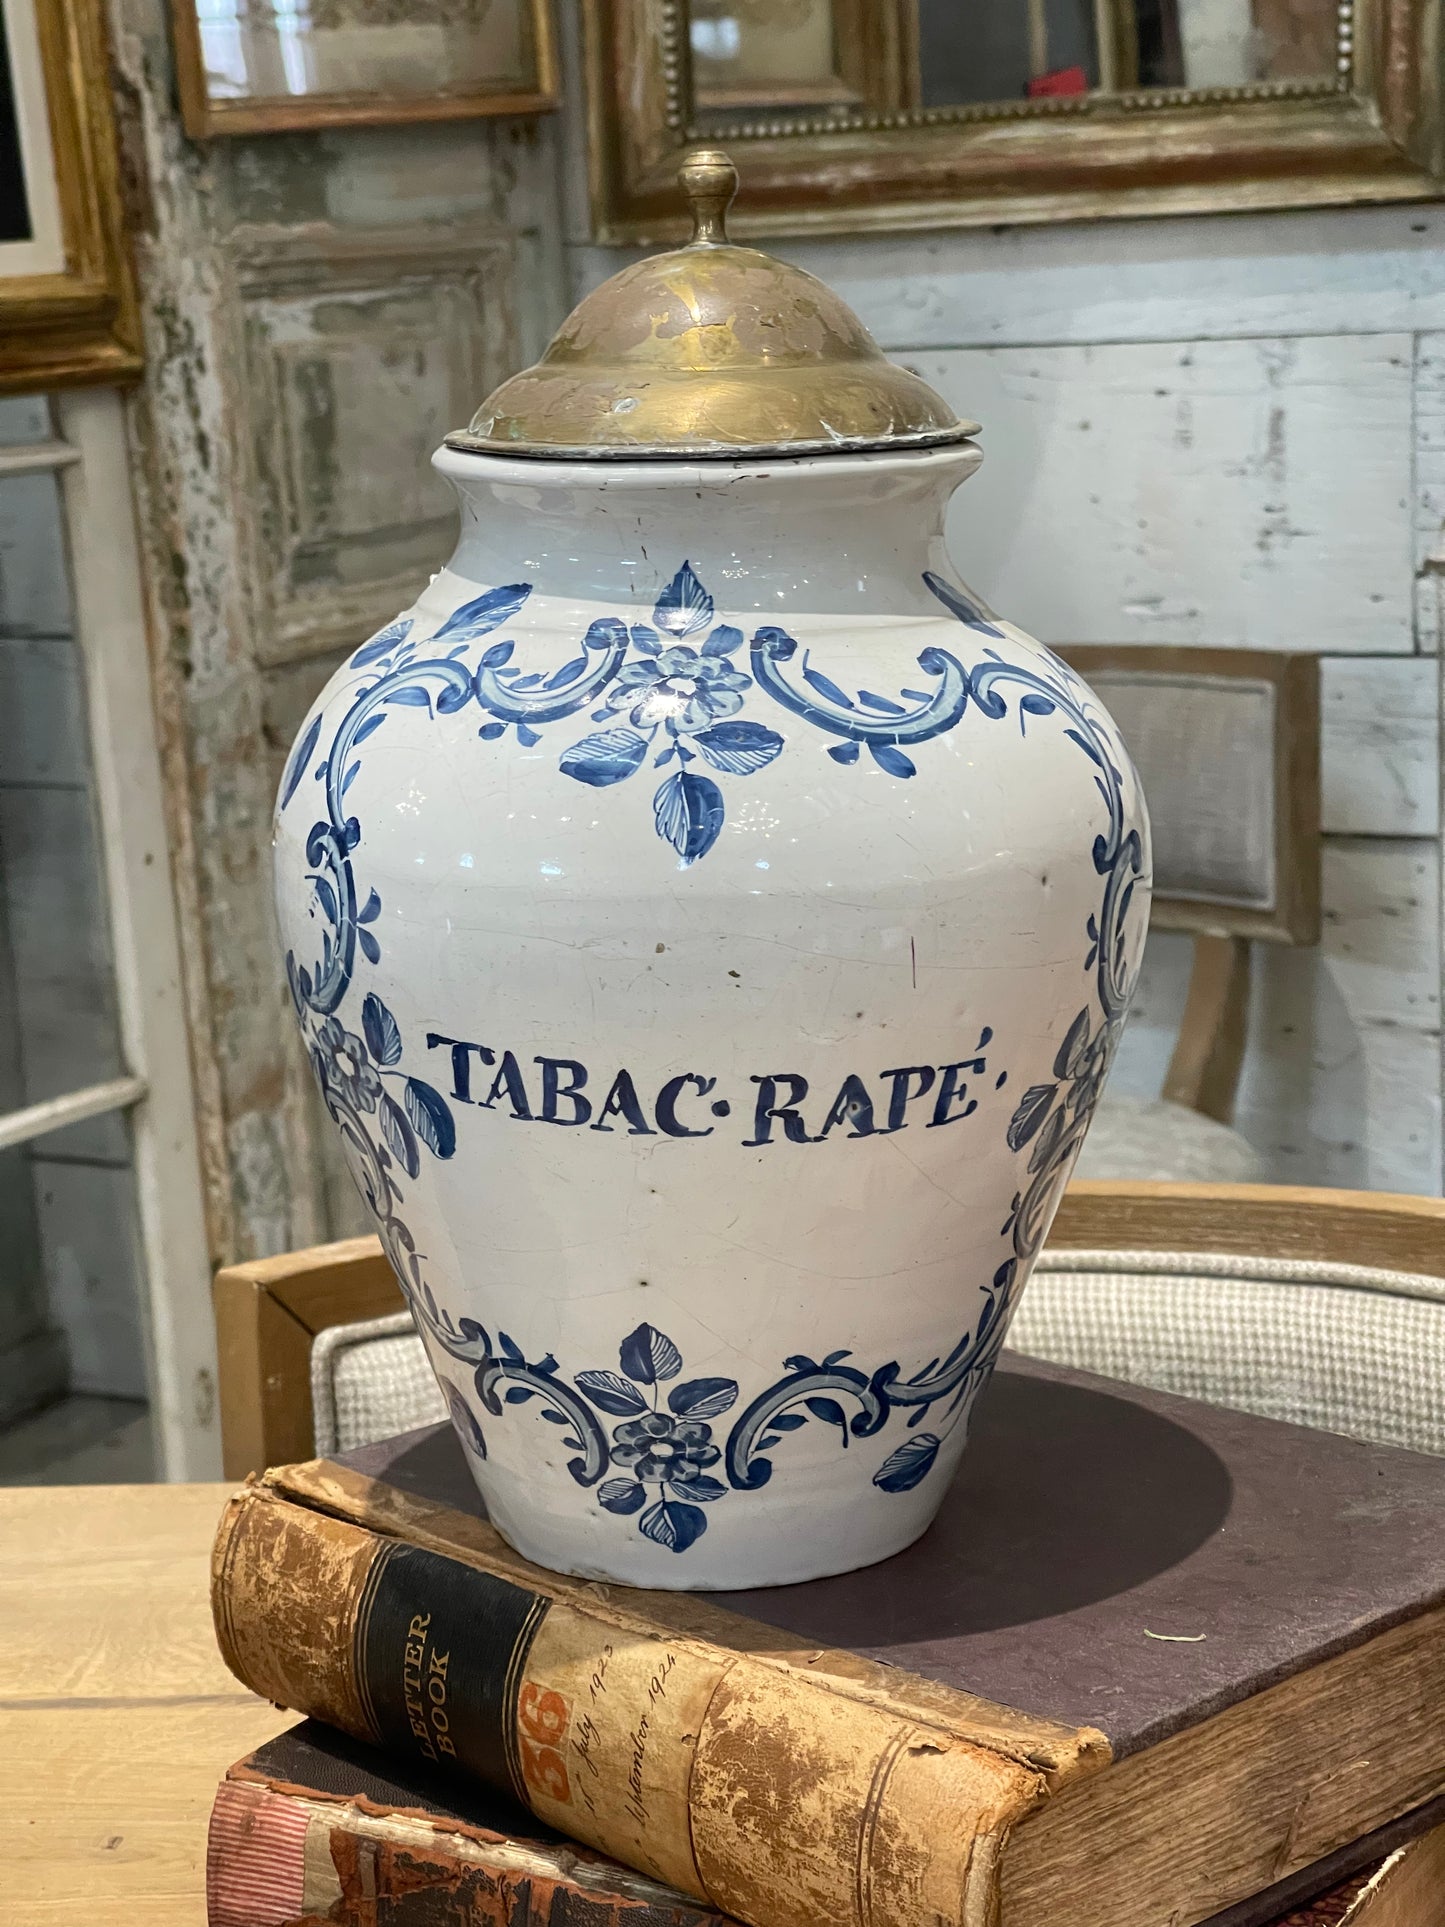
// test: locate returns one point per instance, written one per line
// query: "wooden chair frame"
(267, 1313)
(1204, 1070)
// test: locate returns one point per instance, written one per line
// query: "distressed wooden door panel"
(360, 356)
(1223, 493)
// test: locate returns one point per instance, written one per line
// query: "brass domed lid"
(710, 350)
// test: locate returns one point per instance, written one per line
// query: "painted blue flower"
(662, 1447)
(345, 1070)
(680, 686)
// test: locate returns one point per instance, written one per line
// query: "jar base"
(731, 1557)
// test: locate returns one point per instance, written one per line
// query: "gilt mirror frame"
(68, 309)
(1372, 133)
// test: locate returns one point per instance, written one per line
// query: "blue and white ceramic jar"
(711, 928)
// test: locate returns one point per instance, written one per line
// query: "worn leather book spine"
(289, 1857)
(762, 1792)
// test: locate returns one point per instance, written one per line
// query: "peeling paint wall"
(319, 308)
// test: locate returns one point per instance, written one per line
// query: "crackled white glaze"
(711, 928)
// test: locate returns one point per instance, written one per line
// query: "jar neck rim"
(942, 467)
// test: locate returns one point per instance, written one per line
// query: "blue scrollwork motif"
(664, 1456)
(669, 695)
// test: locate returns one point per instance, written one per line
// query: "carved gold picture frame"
(1370, 132)
(392, 96)
(68, 312)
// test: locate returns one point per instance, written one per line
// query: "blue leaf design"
(1070, 1056)
(622, 1495)
(383, 640)
(326, 897)
(880, 703)
(1088, 748)
(829, 1410)
(1033, 1108)
(430, 1117)
(646, 641)
(370, 726)
(528, 682)
(350, 777)
(370, 948)
(487, 612)
(825, 686)
(647, 1355)
(1048, 1141)
(673, 1525)
(612, 1392)
(684, 605)
(489, 732)
(568, 671)
(499, 653)
(528, 738)
(738, 748)
(788, 1421)
(555, 1418)
(605, 633)
(910, 1464)
(605, 758)
(510, 1349)
(688, 811)
(723, 640)
(846, 1352)
(411, 697)
(300, 757)
(956, 601)
(703, 1397)
(888, 756)
(397, 1132)
(381, 1031)
(844, 752)
(518, 1394)
(702, 1487)
(1037, 705)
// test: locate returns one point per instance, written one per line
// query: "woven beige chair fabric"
(1346, 1348)
(370, 1381)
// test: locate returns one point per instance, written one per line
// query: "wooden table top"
(117, 1717)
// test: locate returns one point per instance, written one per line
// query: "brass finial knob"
(709, 181)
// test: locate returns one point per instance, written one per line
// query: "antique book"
(315, 1826)
(1153, 1659)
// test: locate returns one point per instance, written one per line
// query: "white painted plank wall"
(1229, 494)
